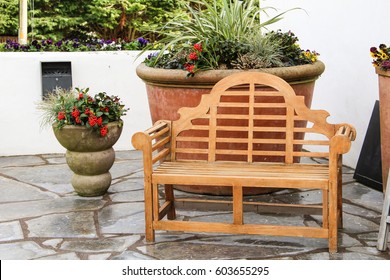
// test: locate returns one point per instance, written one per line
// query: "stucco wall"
(21, 89)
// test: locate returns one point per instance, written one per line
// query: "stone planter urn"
(90, 156)
(384, 113)
(169, 89)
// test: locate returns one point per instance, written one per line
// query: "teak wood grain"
(248, 132)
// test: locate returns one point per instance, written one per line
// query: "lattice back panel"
(253, 118)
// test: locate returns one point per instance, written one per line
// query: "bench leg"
(340, 193)
(169, 196)
(325, 208)
(156, 203)
(333, 218)
(237, 205)
(149, 232)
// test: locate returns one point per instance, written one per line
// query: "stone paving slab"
(122, 218)
(18, 161)
(29, 209)
(24, 250)
(116, 244)
(11, 231)
(66, 225)
(52, 177)
(131, 196)
(363, 196)
(42, 218)
(14, 191)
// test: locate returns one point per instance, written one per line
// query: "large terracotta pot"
(90, 156)
(384, 113)
(168, 90)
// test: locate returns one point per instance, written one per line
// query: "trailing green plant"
(232, 34)
(76, 107)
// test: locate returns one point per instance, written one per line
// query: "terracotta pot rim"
(382, 72)
(207, 79)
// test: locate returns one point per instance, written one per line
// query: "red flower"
(198, 47)
(77, 119)
(92, 120)
(81, 95)
(99, 121)
(87, 111)
(105, 109)
(61, 115)
(193, 56)
(104, 130)
(190, 67)
(75, 113)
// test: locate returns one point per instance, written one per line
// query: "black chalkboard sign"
(369, 167)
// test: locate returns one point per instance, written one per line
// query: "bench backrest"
(250, 117)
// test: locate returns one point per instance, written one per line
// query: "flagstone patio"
(42, 218)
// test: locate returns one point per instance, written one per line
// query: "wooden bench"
(261, 149)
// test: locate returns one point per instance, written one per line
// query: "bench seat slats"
(244, 175)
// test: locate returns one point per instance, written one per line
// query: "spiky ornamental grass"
(226, 30)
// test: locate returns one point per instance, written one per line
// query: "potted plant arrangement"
(87, 127)
(381, 61)
(217, 39)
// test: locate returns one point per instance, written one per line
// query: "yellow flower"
(383, 55)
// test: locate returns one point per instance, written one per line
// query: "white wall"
(21, 89)
(342, 31)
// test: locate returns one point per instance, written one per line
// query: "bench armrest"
(340, 143)
(154, 143)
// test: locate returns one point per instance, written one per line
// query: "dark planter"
(169, 90)
(90, 156)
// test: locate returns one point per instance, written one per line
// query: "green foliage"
(264, 53)
(76, 107)
(231, 33)
(108, 19)
(215, 25)
(287, 43)
(9, 10)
